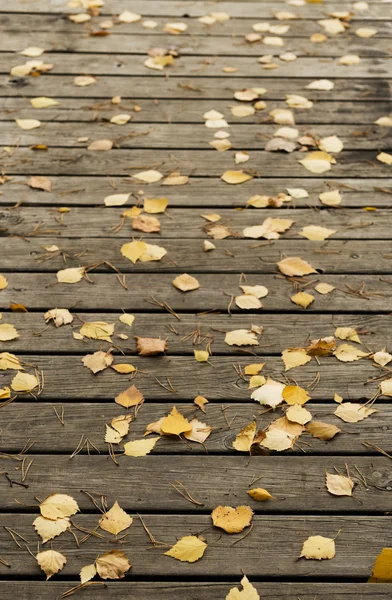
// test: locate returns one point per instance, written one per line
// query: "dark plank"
(215, 46)
(198, 9)
(205, 163)
(184, 222)
(187, 136)
(184, 255)
(294, 330)
(195, 590)
(219, 382)
(199, 192)
(89, 419)
(235, 26)
(298, 482)
(104, 64)
(188, 85)
(271, 550)
(39, 291)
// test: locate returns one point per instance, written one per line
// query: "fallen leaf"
(9, 361)
(270, 394)
(248, 592)
(150, 346)
(316, 233)
(40, 183)
(155, 205)
(347, 333)
(130, 397)
(324, 288)
(115, 520)
(352, 413)
(235, 177)
(293, 266)
(134, 250)
(322, 431)
(71, 275)
(99, 361)
(28, 124)
(48, 529)
(382, 568)
(295, 357)
(259, 494)
(148, 176)
(129, 17)
(97, 330)
(349, 60)
(140, 447)
(241, 337)
(385, 158)
(297, 414)
(317, 547)
(317, 162)
(200, 401)
(185, 283)
(302, 299)
(87, 573)
(278, 440)
(100, 145)
(112, 565)
(324, 85)
(232, 520)
(189, 548)
(245, 438)
(116, 199)
(24, 382)
(51, 562)
(3, 282)
(339, 485)
(201, 355)
(59, 316)
(175, 423)
(348, 353)
(199, 433)
(84, 80)
(294, 394)
(8, 332)
(127, 319)
(248, 302)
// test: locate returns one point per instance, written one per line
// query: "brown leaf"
(150, 346)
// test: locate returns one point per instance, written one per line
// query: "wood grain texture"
(40, 291)
(89, 419)
(187, 85)
(218, 381)
(199, 192)
(184, 135)
(271, 550)
(294, 330)
(211, 46)
(75, 161)
(143, 484)
(126, 590)
(31, 222)
(197, 9)
(185, 255)
(105, 64)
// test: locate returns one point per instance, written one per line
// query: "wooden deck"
(59, 429)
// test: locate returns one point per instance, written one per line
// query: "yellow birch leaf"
(43, 102)
(294, 394)
(337, 398)
(51, 562)
(353, 413)
(127, 319)
(189, 548)
(202, 355)
(248, 302)
(259, 291)
(152, 252)
(100, 145)
(28, 124)
(295, 357)
(331, 198)
(133, 250)
(248, 592)
(278, 440)
(124, 368)
(87, 573)
(324, 288)
(186, 283)
(155, 205)
(298, 414)
(347, 333)
(385, 386)
(302, 299)
(241, 337)
(348, 353)
(382, 568)
(5, 393)
(339, 485)
(97, 330)
(232, 520)
(3, 282)
(49, 529)
(235, 177)
(112, 436)
(129, 397)
(116, 199)
(244, 439)
(256, 381)
(259, 494)
(317, 547)
(148, 176)
(317, 162)
(140, 447)
(71, 275)
(59, 316)
(98, 361)
(200, 401)
(8, 332)
(112, 565)
(175, 423)
(32, 51)
(322, 431)
(24, 382)
(199, 433)
(316, 233)
(270, 393)
(253, 369)
(293, 266)
(9, 361)
(121, 119)
(57, 506)
(115, 520)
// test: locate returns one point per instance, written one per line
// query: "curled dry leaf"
(189, 548)
(339, 485)
(150, 346)
(59, 316)
(99, 361)
(232, 520)
(112, 565)
(51, 562)
(200, 401)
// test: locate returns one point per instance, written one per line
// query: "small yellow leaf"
(253, 369)
(235, 177)
(49, 529)
(51, 562)
(202, 355)
(121, 119)
(348, 353)
(43, 102)
(116, 199)
(244, 439)
(302, 299)
(175, 423)
(127, 319)
(84, 80)
(200, 401)
(294, 394)
(115, 520)
(140, 447)
(190, 548)
(9, 361)
(3, 282)
(232, 520)
(148, 176)
(155, 205)
(270, 393)
(317, 547)
(317, 162)
(24, 382)
(97, 330)
(57, 506)
(28, 124)
(71, 275)
(32, 51)
(353, 413)
(98, 361)
(324, 288)
(130, 397)
(87, 573)
(186, 283)
(124, 368)
(293, 266)
(259, 494)
(8, 332)
(241, 337)
(382, 568)
(112, 565)
(295, 357)
(316, 233)
(248, 592)
(339, 485)
(322, 431)
(297, 414)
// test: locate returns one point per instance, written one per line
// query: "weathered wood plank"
(187, 136)
(217, 381)
(293, 330)
(271, 550)
(89, 191)
(200, 87)
(195, 590)
(198, 9)
(204, 163)
(184, 222)
(298, 483)
(39, 291)
(89, 419)
(212, 46)
(236, 26)
(236, 256)
(105, 64)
